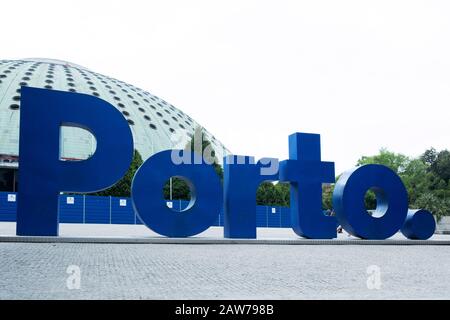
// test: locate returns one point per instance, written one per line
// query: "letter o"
(392, 202)
(206, 195)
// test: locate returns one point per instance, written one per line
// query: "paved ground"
(143, 271)
(141, 231)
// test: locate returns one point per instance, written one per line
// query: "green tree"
(327, 196)
(269, 194)
(396, 161)
(424, 178)
(123, 187)
(439, 207)
(180, 190)
(437, 163)
(438, 169)
(284, 192)
(417, 179)
(441, 167)
(266, 194)
(429, 156)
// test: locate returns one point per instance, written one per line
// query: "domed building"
(156, 124)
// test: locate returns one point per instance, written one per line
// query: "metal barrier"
(113, 210)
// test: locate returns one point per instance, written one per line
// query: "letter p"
(43, 175)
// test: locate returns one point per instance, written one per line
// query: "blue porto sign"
(43, 176)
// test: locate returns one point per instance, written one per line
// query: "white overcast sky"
(363, 74)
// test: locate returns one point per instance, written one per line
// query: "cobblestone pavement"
(143, 271)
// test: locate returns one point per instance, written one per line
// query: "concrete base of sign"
(139, 234)
(203, 241)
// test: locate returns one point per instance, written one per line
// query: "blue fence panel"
(93, 209)
(285, 217)
(273, 217)
(8, 206)
(97, 209)
(177, 205)
(122, 211)
(174, 204)
(71, 208)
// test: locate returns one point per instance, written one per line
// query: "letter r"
(42, 175)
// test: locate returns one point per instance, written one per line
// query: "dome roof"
(156, 124)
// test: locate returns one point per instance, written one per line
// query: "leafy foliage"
(180, 190)
(426, 178)
(327, 196)
(269, 194)
(395, 161)
(439, 207)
